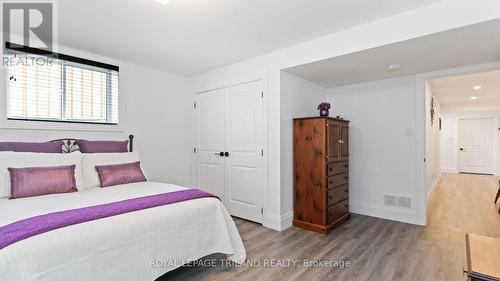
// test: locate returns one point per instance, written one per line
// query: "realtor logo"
(29, 23)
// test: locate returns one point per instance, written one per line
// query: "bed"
(137, 245)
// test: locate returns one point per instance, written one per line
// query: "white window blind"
(45, 88)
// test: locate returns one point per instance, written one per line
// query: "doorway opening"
(462, 152)
(462, 121)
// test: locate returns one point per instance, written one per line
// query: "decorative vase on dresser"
(321, 173)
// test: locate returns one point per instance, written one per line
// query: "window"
(59, 88)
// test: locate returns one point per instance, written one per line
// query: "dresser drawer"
(338, 194)
(338, 210)
(337, 168)
(338, 180)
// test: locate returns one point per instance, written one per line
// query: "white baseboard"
(282, 222)
(433, 188)
(278, 222)
(385, 212)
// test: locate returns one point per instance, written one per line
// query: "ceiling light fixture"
(477, 88)
(393, 67)
(473, 98)
(164, 2)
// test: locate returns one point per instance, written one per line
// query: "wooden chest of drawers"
(321, 173)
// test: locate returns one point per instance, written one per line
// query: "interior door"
(476, 145)
(244, 176)
(209, 142)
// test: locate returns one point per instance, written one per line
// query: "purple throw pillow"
(40, 147)
(36, 181)
(87, 146)
(120, 174)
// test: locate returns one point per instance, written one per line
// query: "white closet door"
(244, 167)
(476, 145)
(209, 141)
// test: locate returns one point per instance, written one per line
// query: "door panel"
(209, 140)
(244, 170)
(242, 107)
(210, 177)
(476, 146)
(333, 135)
(241, 180)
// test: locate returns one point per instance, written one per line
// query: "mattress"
(141, 245)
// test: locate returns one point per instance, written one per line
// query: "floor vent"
(397, 201)
(404, 202)
(390, 200)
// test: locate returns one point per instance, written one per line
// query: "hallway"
(464, 203)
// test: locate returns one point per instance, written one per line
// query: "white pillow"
(29, 159)
(90, 160)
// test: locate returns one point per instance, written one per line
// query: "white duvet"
(141, 245)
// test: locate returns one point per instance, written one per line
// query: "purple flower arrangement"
(324, 109)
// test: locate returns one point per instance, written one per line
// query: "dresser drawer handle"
(345, 166)
(346, 191)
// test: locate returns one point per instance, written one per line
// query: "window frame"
(67, 58)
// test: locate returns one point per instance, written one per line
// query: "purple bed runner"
(29, 227)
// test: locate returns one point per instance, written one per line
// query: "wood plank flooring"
(377, 249)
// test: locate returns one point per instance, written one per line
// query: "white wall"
(431, 19)
(159, 114)
(299, 98)
(450, 141)
(471, 107)
(433, 143)
(155, 106)
(382, 143)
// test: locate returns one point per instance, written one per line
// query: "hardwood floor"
(377, 249)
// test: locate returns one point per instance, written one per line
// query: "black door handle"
(461, 149)
(226, 154)
(221, 154)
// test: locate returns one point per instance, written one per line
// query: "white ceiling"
(456, 91)
(193, 36)
(470, 45)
